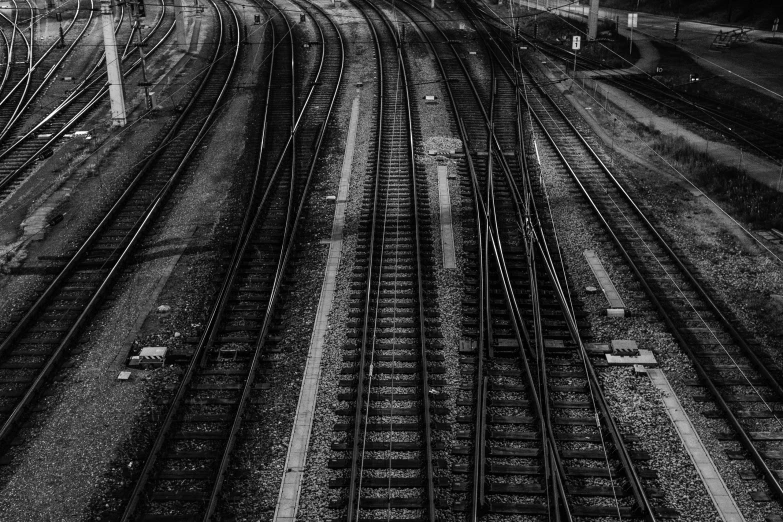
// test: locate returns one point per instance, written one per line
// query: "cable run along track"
(574, 465)
(19, 154)
(743, 382)
(391, 363)
(216, 394)
(31, 351)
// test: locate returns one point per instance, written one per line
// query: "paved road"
(757, 65)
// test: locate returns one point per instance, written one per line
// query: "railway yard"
(391, 260)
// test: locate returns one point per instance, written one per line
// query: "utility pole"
(633, 20)
(116, 91)
(179, 17)
(592, 20)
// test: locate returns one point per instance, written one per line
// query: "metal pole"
(574, 64)
(147, 100)
(780, 175)
(630, 47)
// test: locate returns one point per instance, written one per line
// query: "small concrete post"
(179, 17)
(592, 20)
(116, 91)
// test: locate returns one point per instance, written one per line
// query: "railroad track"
(217, 390)
(730, 364)
(19, 46)
(391, 365)
(31, 350)
(533, 441)
(19, 154)
(751, 132)
(21, 94)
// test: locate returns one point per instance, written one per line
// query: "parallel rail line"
(392, 360)
(41, 70)
(508, 337)
(729, 363)
(203, 423)
(18, 156)
(32, 350)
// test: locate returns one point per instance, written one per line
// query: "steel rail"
(721, 121)
(89, 105)
(256, 212)
(744, 437)
(353, 495)
(51, 48)
(30, 42)
(491, 241)
(144, 223)
(16, 30)
(353, 485)
(522, 336)
(537, 237)
(25, 102)
(206, 339)
(40, 302)
(640, 497)
(774, 381)
(558, 485)
(557, 470)
(7, 68)
(270, 312)
(288, 250)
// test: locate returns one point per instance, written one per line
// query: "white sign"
(633, 19)
(576, 43)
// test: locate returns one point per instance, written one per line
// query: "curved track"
(20, 95)
(19, 46)
(31, 351)
(522, 327)
(730, 364)
(213, 399)
(36, 143)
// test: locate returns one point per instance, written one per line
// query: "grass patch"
(678, 67)
(749, 200)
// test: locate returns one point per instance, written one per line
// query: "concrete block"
(645, 357)
(624, 346)
(152, 356)
(597, 348)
